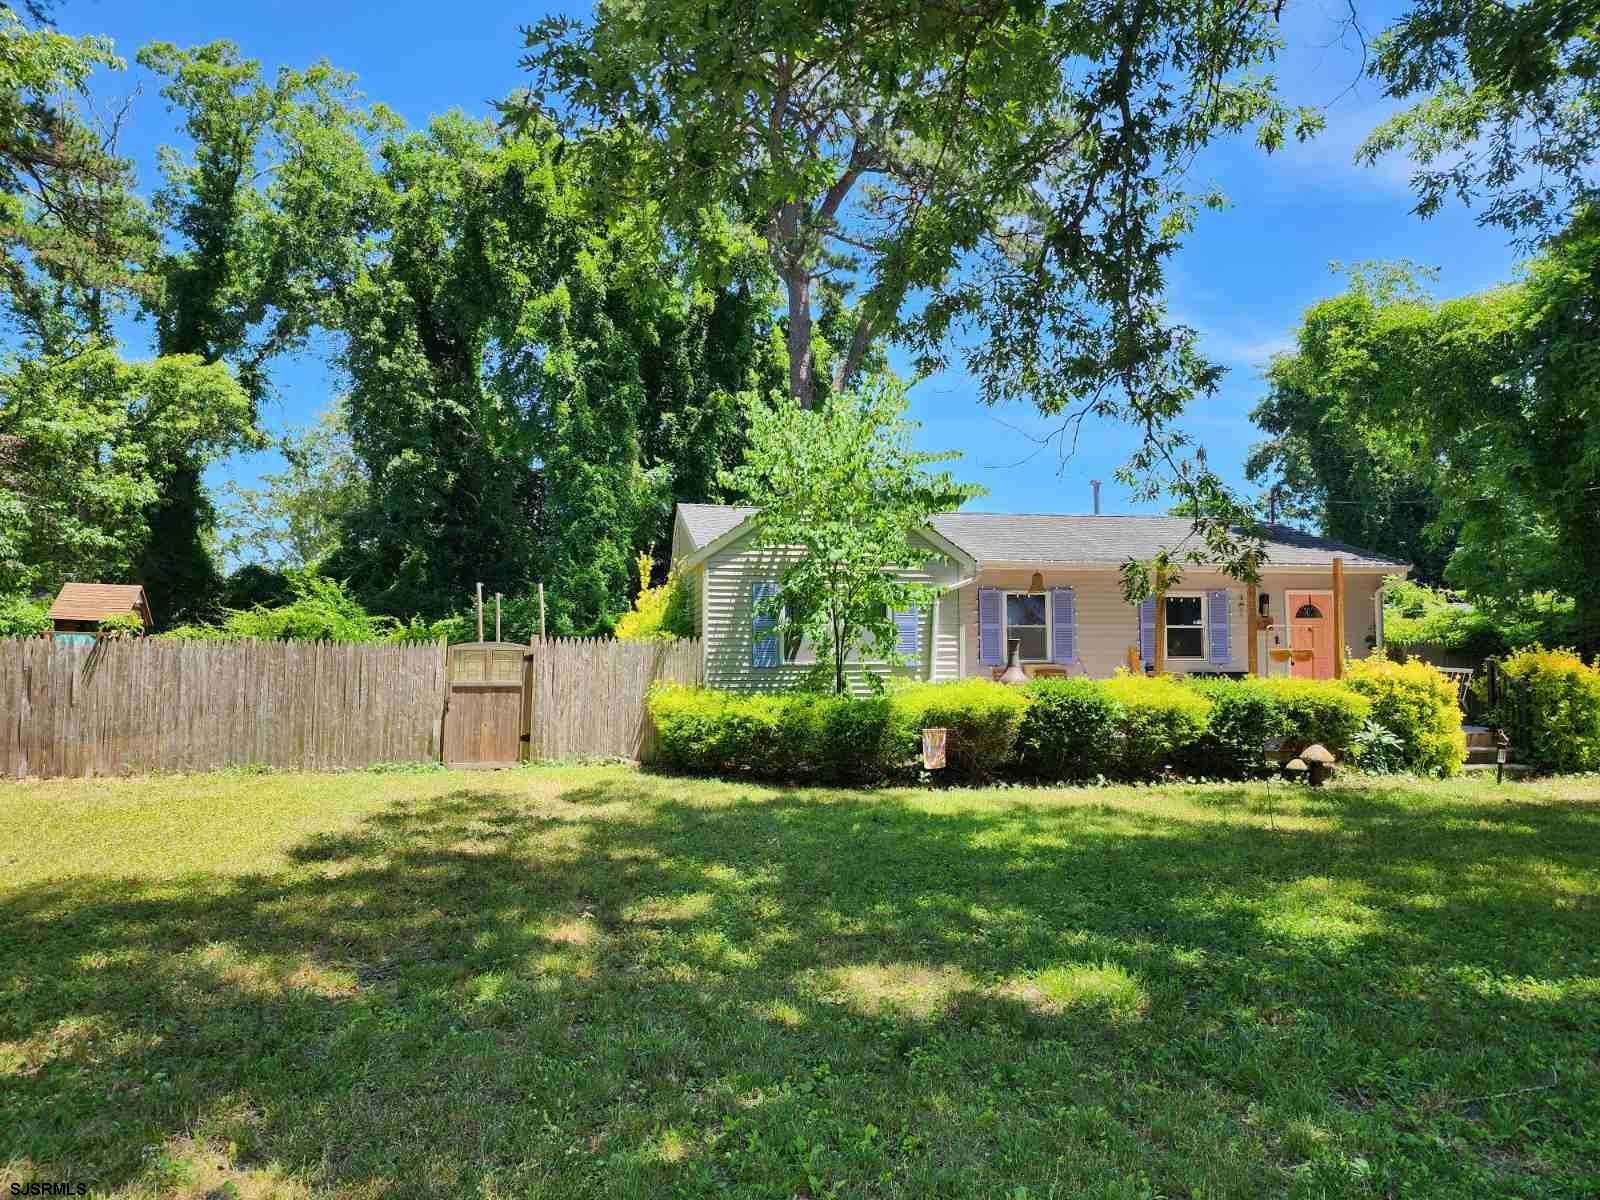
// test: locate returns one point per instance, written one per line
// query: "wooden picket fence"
(158, 705)
(586, 696)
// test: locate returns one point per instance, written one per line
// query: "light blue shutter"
(908, 625)
(1217, 629)
(763, 641)
(1064, 625)
(1147, 631)
(989, 650)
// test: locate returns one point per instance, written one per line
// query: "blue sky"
(1243, 278)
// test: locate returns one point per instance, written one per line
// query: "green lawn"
(592, 982)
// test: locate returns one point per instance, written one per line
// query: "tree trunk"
(802, 385)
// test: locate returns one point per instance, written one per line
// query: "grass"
(574, 982)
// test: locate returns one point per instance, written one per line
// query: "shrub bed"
(1159, 717)
(1318, 710)
(1069, 729)
(1417, 703)
(1129, 726)
(1245, 716)
(982, 716)
(1551, 705)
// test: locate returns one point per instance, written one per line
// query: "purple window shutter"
(990, 652)
(763, 623)
(1147, 631)
(908, 624)
(1217, 630)
(1064, 625)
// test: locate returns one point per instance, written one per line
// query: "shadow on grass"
(632, 988)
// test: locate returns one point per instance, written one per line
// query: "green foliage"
(89, 442)
(294, 518)
(1244, 717)
(1068, 730)
(843, 484)
(1379, 751)
(322, 610)
(1159, 716)
(1486, 400)
(534, 381)
(1319, 711)
(659, 613)
(121, 625)
(1550, 706)
(983, 718)
(1005, 183)
(1504, 107)
(794, 735)
(1417, 704)
(22, 616)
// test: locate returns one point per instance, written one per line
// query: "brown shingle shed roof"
(96, 601)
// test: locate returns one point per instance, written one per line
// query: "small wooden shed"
(80, 607)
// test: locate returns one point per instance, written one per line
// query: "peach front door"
(1310, 634)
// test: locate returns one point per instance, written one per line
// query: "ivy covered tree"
(1486, 399)
(843, 483)
(265, 215)
(533, 382)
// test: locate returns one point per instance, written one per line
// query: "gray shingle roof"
(707, 522)
(1043, 537)
(1052, 537)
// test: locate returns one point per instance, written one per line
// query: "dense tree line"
(551, 325)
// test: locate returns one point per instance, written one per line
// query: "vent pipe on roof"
(1095, 484)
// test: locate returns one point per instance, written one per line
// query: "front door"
(1310, 634)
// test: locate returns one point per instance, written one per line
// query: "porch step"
(1482, 754)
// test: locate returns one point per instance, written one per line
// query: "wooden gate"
(484, 713)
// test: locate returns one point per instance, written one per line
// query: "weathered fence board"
(153, 704)
(586, 696)
(158, 705)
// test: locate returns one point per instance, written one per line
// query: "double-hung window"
(1027, 620)
(1186, 625)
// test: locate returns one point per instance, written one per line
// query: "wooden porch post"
(1338, 617)
(1252, 646)
(1161, 633)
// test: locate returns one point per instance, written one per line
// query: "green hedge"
(1551, 705)
(1129, 727)
(1417, 703)
(982, 716)
(1160, 716)
(1245, 716)
(1069, 730)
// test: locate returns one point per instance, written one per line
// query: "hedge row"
(1550, 707)
(1128, 727)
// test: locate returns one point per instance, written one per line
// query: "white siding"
(726, 629)
(1108, 624)
(945, 659)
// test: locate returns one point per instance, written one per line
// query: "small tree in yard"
(843, 484)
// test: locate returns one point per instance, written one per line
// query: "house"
(80, 607)
(1052, 584)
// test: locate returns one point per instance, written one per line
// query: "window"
(1186, 625)
(1026, 621)
(1308, 612)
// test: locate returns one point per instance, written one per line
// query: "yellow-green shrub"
(1159, 717)
(1551, 705)
(1319, 710)
(1417, 703)
(982, 716)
